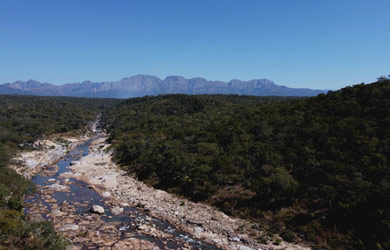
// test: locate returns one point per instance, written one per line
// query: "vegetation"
(310, 168)
(314, 168)
(15, 232)
(23, 119)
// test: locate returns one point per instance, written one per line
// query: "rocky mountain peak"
(141, 85)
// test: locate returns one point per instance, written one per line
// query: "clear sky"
(324, 44)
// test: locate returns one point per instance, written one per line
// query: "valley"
(133, 216)
(196, 171)
(194, 125)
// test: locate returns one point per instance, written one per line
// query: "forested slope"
(314, 168)
(23, 119)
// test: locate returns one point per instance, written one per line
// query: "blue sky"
(323, 44)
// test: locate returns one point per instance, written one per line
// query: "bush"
(288, 235)
(15, 233)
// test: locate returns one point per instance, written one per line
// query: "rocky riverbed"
(97, 205)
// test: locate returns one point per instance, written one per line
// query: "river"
(67, 203)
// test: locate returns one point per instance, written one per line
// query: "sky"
(319, 44)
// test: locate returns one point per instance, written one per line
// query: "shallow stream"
(73, 205)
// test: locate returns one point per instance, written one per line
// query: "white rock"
(220, 241)
(143, 227)
(217, 241)
(242, 247)
(235, 239)
(106, 194)
(51, 180)
(57, 186)
(116, 210)
(69, 227)
(97, 209)
(198, 229)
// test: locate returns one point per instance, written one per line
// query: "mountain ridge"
(142, 85)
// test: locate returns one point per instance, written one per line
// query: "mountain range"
(142, 85)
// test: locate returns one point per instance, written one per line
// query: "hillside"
(315, 169)
(142, 85)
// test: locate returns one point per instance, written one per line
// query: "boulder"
(106, 194)
(116, 210)
(57, 187)
(97, 209)
(242, 247)
(235, 239)
(143, 227)
(198, 229)
(69, 227)
(219, 241)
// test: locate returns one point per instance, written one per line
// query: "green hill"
(314, 168)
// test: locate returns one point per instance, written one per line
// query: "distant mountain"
(141, 85)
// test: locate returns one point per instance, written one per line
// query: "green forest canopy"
(314, 168)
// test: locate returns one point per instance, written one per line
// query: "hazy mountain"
(141, 85)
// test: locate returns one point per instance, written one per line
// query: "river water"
(92, 231)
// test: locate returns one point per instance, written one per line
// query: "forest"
(315, 169)
(23, 119)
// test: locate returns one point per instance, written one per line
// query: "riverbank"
(87, 219)
(199, 220)
(44, 153)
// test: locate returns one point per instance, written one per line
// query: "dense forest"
(23, 119)
(315, 169)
